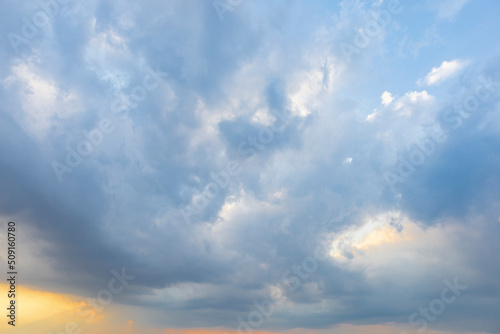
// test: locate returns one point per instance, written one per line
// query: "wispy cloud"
(447, 9)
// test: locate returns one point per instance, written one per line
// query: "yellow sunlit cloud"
(376, 231)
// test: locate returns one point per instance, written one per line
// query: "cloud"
(447, 9)
(320, 178)
(387, 98)
(446, 70)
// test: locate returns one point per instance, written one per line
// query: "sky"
(251, 166)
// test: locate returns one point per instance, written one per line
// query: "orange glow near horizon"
(49, 313)
(204, 331)
(386, 328)
(46, 311)
(129, 327)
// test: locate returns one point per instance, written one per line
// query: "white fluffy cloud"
(446, 70)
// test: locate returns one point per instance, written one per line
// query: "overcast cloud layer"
(209, 148)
